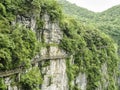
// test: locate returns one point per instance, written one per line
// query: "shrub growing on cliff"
(18, 47)
(31, 80)
(2, 85)
(52, 8)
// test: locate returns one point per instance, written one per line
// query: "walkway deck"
(35, 60)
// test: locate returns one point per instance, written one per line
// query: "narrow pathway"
(35, 60)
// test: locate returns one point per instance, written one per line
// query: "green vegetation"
(52, 8)
(107, 21)
(90, 49)
(2, 85)
(32, 79)
(18, 46)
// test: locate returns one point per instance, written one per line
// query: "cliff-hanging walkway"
(35, 60)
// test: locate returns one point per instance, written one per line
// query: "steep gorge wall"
(62, 73)
(54, 74)
(53, 71)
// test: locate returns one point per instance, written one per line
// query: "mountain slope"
(73, 10)
(107, 21)
(111, 14)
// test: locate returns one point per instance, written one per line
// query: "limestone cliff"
(55, 77)
(54, 74)
(53, 70)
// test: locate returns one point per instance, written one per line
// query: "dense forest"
(107, 21)
(86, 37)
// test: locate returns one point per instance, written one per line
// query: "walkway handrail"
(47, 57)
(35, 60)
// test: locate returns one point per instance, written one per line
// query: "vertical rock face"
(54, 74)
(55, 77)
(10, 85)
(81, 81)
(51, 30)
(28, 22)
(104, 78)
(54, 70)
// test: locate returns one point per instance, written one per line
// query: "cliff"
(69, 55)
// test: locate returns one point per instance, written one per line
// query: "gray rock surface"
(81, 81)
(51, 30)
(55, 77)
(28, 22)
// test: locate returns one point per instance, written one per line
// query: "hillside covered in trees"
(107, 21)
